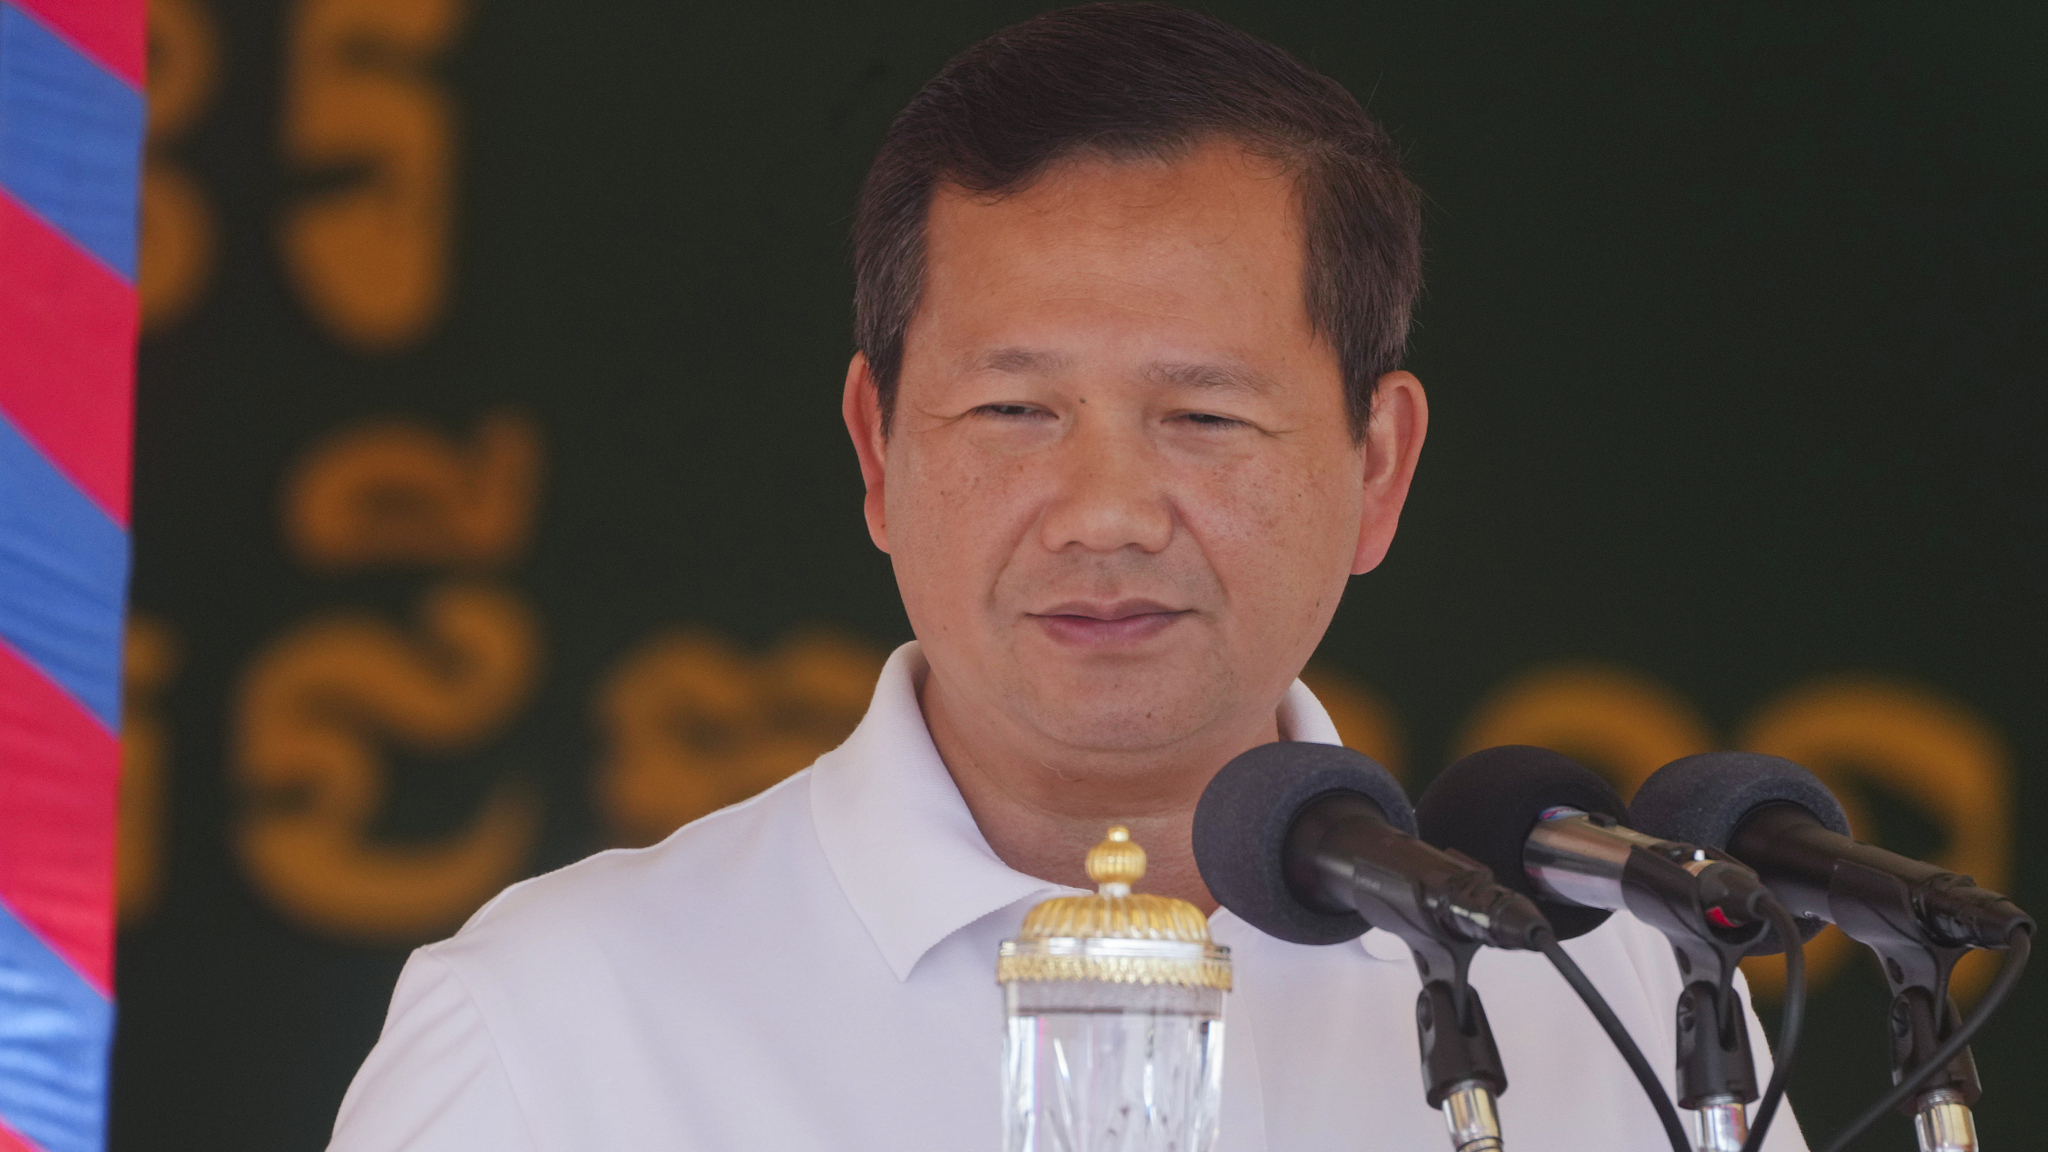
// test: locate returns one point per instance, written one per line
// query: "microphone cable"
(1546, 942)
(2017, 952)
(1791, 1016)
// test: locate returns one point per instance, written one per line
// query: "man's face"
(1120, 492)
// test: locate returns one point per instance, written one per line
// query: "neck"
(1041, 804)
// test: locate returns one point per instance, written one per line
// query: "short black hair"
(1146, 81)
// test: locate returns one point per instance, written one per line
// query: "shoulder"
(436, 1078)
(699, 874)
(537, 1009)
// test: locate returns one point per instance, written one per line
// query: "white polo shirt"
(814, 969)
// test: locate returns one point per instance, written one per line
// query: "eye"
(1210, 420)
(1011, 411)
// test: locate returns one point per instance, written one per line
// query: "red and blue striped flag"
(71, 130)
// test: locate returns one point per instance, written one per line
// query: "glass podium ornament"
(1115, 1014)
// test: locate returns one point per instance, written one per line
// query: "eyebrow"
(1235, 377)
(1021, 361)
(1196, 375)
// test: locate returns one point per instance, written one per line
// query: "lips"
(1092, 624)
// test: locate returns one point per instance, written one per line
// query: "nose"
(1112, 494)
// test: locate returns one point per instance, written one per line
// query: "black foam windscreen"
(1243, 818)
(1703, 799)
(1486, 804)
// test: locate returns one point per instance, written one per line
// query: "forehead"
(1210, 240)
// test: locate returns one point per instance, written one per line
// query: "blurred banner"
(71, 121)
(492, 506)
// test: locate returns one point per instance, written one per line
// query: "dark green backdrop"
(1734, 333)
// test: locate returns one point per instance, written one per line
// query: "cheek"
(954, 517)
(1280, 534)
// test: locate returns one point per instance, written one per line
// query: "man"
(1133, 290)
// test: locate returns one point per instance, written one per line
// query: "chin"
(1122, 712)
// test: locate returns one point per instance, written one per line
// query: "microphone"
(1782, 821)
(1917, 917)
(1552, 828)
(1314, 844)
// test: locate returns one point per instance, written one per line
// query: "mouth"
(1091, 624)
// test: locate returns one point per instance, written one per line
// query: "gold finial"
(1116, 935)
(1116, 863)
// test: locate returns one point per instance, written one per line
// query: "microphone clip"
(1690, 903)
(1881, 912)
(1450, 1023)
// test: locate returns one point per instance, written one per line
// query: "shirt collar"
(900, 839)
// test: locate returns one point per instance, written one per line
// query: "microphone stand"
(1462, 1072)
(1445, 907)
(1716, 1072)
(1917, 968)
(1917, 917)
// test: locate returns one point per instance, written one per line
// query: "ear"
(1393, 442)
(862, 408)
